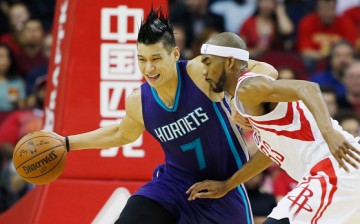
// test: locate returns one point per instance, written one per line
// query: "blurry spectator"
(12, 88)
(266, 29)
(342, 5)
(195, 17)
(349, 121)
(329, 96)
(4, 25)
(261, 202)
(15, 126)
(42, 10)
(205, 35)
(243, 9)
(353, 14)
(297, 9)
(285, 59)
(286, 73)
(41, 70)
(12, 186)
(282, 184)
(318, 32)
(31, 41)
(21, 122)
(341, 55)
(352, 83)
(18, 15)
(180, 39)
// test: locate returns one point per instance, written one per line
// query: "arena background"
(93, 68)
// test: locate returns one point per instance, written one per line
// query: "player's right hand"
(343, 151)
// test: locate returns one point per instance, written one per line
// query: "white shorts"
(327, 194)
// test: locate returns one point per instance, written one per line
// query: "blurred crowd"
(316, 40)
(25, 48)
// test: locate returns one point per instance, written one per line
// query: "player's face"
(214, 72)
(156, 64)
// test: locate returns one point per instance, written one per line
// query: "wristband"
(67, 143)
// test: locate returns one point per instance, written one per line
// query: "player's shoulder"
(133, 106)
(254, 79)
(133, 101)
(252, 85)
(135, 95)
(194, 66)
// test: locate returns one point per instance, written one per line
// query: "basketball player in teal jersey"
(193, 125)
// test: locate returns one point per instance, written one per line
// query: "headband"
(225, 51)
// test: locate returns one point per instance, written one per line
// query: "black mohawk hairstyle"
(157, 27)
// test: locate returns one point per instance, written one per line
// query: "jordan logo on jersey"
(182, 126)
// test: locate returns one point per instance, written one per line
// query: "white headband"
(225, 51)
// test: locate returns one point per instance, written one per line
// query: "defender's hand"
(342, 150)
(207, 189)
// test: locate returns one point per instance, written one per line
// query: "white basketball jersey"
(289, 135)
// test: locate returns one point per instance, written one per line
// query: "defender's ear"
(230, 62)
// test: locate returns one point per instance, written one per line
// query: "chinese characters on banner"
(119, 69)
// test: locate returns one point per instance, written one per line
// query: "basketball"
(39, 157)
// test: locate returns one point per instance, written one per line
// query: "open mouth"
(153, 77)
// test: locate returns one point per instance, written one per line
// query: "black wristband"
(67, 143)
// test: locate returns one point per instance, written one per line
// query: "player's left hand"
(343, 151)
(207, 189)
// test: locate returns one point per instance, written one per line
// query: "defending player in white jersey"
(292, 127)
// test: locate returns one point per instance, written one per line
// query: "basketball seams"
(48, 170)
(42, 136)
(38, 155)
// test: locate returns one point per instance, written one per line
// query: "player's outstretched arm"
(217, 189)
(257, 90)
(129, 129)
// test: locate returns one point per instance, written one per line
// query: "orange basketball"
(39, 157)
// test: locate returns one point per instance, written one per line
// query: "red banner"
(92, 71)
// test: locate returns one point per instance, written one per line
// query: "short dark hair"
(156, 28)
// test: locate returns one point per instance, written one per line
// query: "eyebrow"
(204, 60)
(154, 55)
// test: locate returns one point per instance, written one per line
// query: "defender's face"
(156, 63)
(214, 72)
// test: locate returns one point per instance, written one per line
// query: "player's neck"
(167, 91)
(233, 83)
